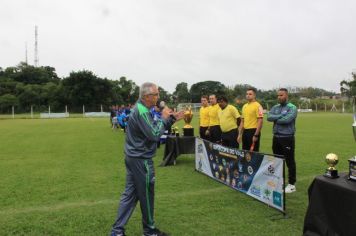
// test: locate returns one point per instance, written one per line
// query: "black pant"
(202, 132)
(229, 139)
(285, 146)
(215, 134)
(247, 137)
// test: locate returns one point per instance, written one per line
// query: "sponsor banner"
(54, 115)
(97, 114)
(255, 174)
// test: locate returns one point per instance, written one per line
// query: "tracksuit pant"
(285, 146)
(140, 180)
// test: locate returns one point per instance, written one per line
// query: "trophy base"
(352, 169)
(331, 174)
(188, 131)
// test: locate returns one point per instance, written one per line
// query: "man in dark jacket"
(142, 135)
(283, 116)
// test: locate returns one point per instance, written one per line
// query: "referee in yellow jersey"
(204, 117)
(214, 131)
(251, 122)
(229, 119)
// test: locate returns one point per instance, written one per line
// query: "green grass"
(65, 177)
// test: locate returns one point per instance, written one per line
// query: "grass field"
(65, 177)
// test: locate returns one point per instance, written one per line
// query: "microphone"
(161, 105)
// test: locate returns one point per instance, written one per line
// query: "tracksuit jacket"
(283, 118)
(143, 132)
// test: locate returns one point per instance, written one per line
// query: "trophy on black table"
(331, 172)
(188, 130)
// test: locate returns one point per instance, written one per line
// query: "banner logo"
(277, 198)
(256, 190)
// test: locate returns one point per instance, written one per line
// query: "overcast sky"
(267, 44)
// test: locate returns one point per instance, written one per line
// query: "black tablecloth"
(176, 146)
(332, 207)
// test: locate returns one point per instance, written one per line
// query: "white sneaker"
(290, 188)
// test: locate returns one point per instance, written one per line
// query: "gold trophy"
(352, 161)
(175, 131)
(331, 172)
(188, 129)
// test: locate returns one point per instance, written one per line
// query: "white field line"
(88, 203)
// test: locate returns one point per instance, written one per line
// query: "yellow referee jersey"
(228, 118)
(204, 116)
(213, 115)
(250, 113)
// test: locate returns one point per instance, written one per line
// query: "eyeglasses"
(153, 94)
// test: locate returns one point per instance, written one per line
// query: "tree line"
(25, 85)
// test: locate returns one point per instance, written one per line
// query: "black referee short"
(202, 131)
(229, 138)
(215, 134)
(247, 137)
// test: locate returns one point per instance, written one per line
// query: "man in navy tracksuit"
(142, 135)
(283, 116)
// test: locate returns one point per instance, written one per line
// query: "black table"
(176, 146)
(332, 207)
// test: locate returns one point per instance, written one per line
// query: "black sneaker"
(117, 234)
(156, 232)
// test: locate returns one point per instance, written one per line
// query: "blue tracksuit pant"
(140, 180)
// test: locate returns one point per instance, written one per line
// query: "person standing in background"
(204, 117)
(251, 122)
(283, 116)
(229, 118)
(214, 131)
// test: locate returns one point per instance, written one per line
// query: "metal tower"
(36, 47)
(26, 54)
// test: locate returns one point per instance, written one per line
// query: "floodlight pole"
(31, 112)
(49, 111)
(101, 108)
(13, 112)
(83, 111)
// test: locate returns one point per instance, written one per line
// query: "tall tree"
(206, 88)
(85, 88)
(164, 95)
(7, 101)
(124, 91)
(181, 93)
(33, 75)
(348, 88)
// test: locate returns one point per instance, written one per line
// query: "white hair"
(146, 88)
